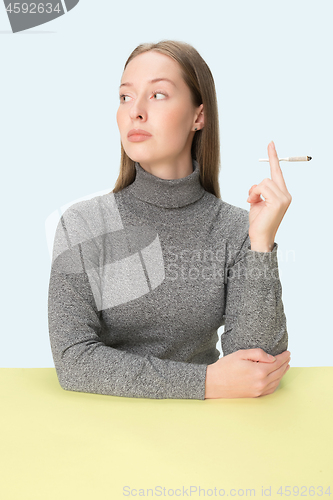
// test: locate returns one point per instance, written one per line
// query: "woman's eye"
(123, 98)
(157, 96)
(160, 94)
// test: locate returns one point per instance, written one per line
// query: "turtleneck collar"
(167, 193)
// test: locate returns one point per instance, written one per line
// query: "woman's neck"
(169, 171)
(167, 193)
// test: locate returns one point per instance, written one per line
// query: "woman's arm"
(254, 312)
(82, 361)
(255, 328)
(254, 309)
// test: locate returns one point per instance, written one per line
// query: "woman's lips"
(138, 135)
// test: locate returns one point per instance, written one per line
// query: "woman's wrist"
(209, 382)
(262, 247)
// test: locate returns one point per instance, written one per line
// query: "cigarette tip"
(309, 158)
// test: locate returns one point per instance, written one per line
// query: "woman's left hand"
(266, 215)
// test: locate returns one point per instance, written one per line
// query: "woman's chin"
(140, 158)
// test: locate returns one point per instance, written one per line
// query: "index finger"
(276, 172)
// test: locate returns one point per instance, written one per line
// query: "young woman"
(143, 277)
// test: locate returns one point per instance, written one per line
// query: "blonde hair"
(206, 142)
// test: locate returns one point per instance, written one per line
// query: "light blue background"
(272, 65)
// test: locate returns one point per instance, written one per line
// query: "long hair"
(206, 141)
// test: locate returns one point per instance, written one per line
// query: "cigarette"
(294, 158)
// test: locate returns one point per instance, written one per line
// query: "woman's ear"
(200, 118)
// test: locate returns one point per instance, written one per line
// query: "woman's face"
(161, 108)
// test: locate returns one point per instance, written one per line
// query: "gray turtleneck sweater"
(142, 279)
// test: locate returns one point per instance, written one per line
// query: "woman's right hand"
(247, 373)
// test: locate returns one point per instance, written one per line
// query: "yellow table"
(64, 445)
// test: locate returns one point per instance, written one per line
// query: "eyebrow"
(128, 84)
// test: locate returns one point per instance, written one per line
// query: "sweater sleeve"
(82, 361)
(254, 312)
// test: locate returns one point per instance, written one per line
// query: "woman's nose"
(138, 110)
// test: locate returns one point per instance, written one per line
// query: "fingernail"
(273, 145)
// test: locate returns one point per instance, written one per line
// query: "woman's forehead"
(152, 65)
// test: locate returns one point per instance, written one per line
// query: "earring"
(195, 128)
